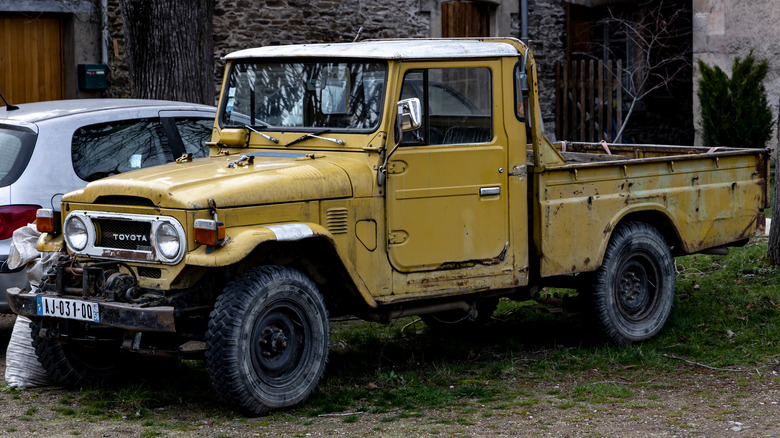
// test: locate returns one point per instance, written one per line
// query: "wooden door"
(31, 58)
(465, 19)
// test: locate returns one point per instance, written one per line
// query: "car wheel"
(77, 363)
(633, 291)
(268, 338)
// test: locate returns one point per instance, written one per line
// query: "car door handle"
(489, 191)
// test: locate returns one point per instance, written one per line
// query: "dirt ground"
(695, 402)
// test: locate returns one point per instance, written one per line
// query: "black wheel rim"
(280, 343)
(637, 286)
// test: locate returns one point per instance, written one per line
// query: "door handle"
(489, 191)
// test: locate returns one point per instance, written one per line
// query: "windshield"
(344, 95)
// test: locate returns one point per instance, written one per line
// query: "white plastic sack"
(22, 369)
(24, 252)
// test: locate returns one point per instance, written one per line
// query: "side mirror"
(409, 118)
(410, 114)
(234, 137)
(521, 92)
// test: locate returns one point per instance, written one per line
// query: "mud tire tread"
(227, 360)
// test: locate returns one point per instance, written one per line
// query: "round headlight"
(168, 243)
(76, 233)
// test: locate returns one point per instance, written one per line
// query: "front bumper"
(131, 317)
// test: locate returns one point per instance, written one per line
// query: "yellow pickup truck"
(378, 179)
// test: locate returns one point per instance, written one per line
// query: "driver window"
(457, 105)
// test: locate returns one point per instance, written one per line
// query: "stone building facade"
(240, 24)
(722, 31)
(724, 28)
(727, 29)
(547, 38)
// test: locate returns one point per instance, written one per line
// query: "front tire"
(633, 290)
(77, 363)
(267, 342)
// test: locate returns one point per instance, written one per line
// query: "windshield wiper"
(315, 135)
(255, 130)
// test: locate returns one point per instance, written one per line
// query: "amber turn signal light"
(209, 232)
(44, 220)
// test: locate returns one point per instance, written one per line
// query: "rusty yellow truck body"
(377, 179)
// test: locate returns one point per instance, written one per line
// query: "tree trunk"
(170, 49)
(773, 247)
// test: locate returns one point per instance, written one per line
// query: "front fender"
(48, 242)
(241, 241)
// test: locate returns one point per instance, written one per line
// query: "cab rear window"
(16, 147)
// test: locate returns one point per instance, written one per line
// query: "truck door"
(446, 184)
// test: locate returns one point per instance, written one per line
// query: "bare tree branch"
(657, 62)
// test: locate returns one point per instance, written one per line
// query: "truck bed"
(698, 197)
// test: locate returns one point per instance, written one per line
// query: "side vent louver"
(337, 220)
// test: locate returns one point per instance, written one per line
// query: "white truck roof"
(386, 49)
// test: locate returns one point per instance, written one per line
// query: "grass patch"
(566, 405)
(726, 315)
(65, 410)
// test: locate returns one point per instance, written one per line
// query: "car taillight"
(15, 216)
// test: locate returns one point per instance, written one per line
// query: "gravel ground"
(697, 401)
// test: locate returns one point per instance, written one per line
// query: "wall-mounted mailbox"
(92, 76)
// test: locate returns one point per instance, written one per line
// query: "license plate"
(65, 308)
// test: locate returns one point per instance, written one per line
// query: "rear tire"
(633, 290)
(268, 338)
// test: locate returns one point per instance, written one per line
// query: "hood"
(272, 177)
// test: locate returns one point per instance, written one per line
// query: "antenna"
(9, 107)
(359, 32)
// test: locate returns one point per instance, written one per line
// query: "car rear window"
(111, 148)
(16, 147)
(194, 134)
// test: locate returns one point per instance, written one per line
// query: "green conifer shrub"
(734, 111)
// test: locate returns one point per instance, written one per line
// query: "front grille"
(119, 234)
(125, 236)
(149, 272)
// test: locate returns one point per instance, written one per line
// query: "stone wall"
(241, 24)
(726, 29)
(244, 24)
(547, 34)
(119, 77)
